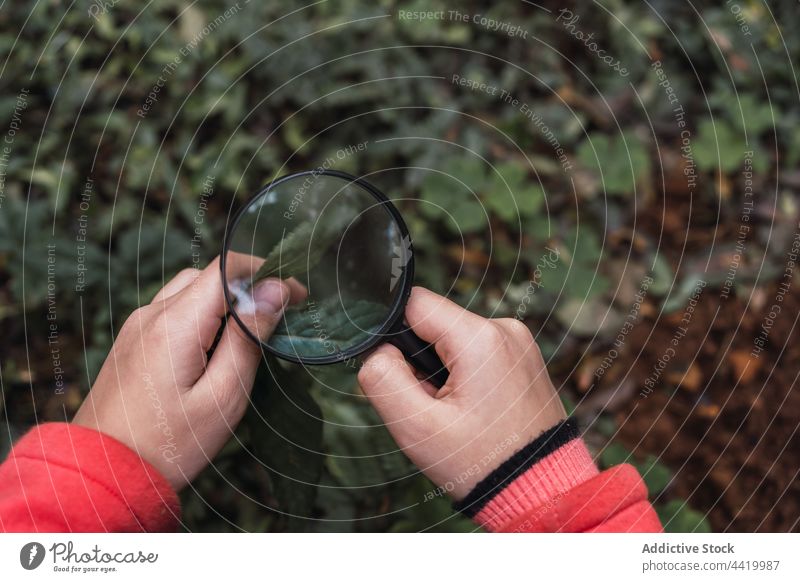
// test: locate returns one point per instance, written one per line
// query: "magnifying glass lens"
(341, 250)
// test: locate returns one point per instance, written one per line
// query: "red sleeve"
(564, 492)
(67, 478)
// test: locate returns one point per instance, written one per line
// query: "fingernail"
(271, 296)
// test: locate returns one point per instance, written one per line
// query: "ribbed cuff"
(554, 462)
(614, 500)
(539, 486)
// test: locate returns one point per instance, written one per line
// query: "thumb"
(391, 386)
(232, 369)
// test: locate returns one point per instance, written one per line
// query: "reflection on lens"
(333, 240)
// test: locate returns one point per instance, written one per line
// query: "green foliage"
(614, 454)
(677, 517)
(577, 281)
(656, 476)
(723, 142)
(481, 187)
(35, 261)
(452, 194)
(299, 332)
(285, 425)
(718, 145)
(511, 193)
(466, 191)
(433, 514)
(297, 253)
(621, 161)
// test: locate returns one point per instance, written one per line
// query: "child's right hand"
(499, 396)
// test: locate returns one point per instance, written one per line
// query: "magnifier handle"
(420, 354)
(222, 324)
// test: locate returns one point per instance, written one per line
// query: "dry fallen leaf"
(26, 376)
(462, 255)
(691, 379)
(745, 368)
(584, 379)
(709, 411)
(724, 187)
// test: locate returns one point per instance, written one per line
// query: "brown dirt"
(726, 422)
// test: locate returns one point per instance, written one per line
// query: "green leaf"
(718, 145)
(568, 403)
(429, 509)
(35, 259)
(318, 327)
(452, 195)
(662, 275)
(614, 454)
(656, 476)
(293, 133)
(584, 282)
(586, 248)
(285, 425)
(437, 193)
(530, 200)
(294, 255)
(620, 161)
(510, 192)
(751, 114)
(362, 452)
(606, 426)
(303, 248)
(577, 274)
(468, 217)
(682, 293)
(677, 517)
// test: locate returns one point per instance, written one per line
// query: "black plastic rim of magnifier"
(398, 309)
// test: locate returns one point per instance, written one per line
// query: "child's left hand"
(156, 391)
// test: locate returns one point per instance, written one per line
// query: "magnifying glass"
(341, 241)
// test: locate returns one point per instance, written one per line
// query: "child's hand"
(157, 393)
(498, 398)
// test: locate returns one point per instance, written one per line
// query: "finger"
(391, 386)
(232, 368)
(439, 321)
(201, 304)
(203, 301)
(177, 284)
(261, 307)
(244, 266)
(298, 290)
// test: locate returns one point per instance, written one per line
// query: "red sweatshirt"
(66, 478)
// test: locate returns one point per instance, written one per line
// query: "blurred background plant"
(136, 130)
